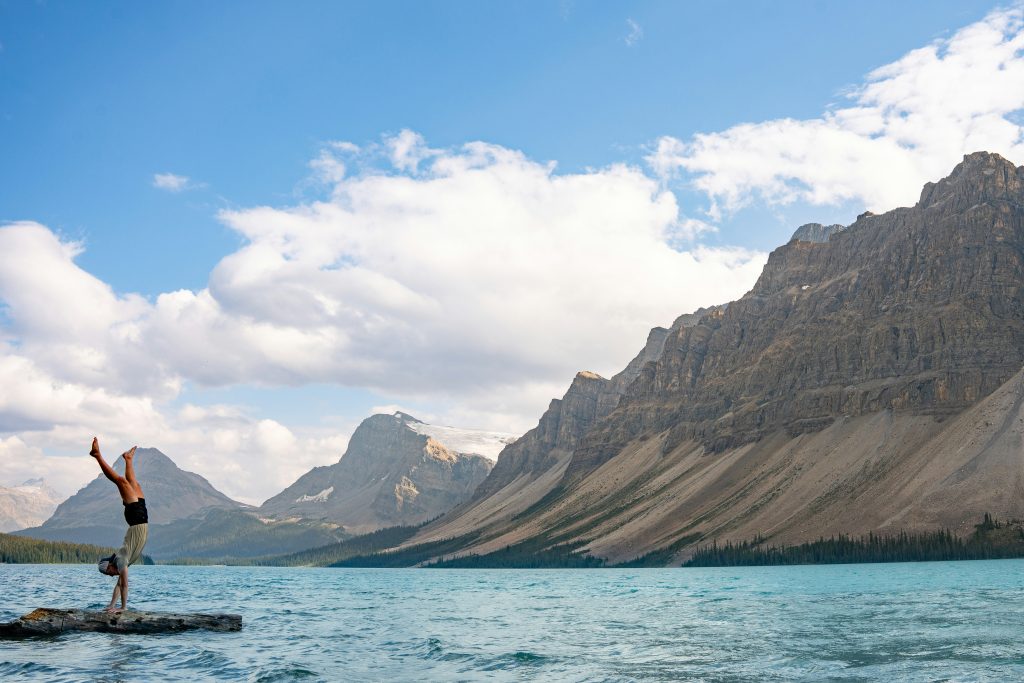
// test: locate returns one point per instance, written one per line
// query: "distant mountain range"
(871, 381)
(29, 504)
(188, 517)
(395, 472)
(171, 494)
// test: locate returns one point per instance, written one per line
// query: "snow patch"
(318, 498)
(487, 444)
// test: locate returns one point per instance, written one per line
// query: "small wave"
(434, 649)
(514, 660)
(197, 660)
(24, 668)
(285, 674)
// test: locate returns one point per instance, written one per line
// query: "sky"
(233, 230)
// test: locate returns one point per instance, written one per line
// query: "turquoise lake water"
(936, 621)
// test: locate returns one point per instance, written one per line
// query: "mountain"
(27, 505)
(871, 381)
(396, 471)
(95, 514)
(188, 517)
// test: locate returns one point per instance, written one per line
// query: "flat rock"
(48, 622)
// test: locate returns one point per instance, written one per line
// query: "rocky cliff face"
(391, 474)
(27, 505)
(589, 398)
(869, 381)
(919, 309)
(816, 232)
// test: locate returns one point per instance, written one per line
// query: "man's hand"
(95, 450)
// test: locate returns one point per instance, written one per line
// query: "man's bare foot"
(110, 609)
(95, 450)
(129, 454)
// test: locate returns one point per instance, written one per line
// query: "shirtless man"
(138, 525)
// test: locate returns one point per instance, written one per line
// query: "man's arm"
(123, 583)
(114, 597)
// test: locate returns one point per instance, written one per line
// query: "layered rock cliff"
(917, 309)
(393, 473)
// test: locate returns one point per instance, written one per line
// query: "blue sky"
(238, 101)
(99, 97)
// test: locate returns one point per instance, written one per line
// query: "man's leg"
(129, 471)
(127, 491)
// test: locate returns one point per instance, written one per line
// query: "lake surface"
(956, 621)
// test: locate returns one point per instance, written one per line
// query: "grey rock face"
(917, 309)
(589, 398)
(559, 429)
(816, 232)
(390, 475)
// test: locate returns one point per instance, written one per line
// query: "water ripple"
(907, 622)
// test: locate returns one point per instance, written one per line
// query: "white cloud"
(408, 149)
(482, 269)
(636, 33)
(910, 122)
(171, 182)
(247, 458)
(20, 462)
(473, 280)
(327, 168)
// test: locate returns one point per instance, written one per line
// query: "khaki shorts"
(134, 542)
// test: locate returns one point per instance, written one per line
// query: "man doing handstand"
(138, 525)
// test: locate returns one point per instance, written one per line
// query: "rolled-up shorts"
(134, 541)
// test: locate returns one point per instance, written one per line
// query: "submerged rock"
(51, 622)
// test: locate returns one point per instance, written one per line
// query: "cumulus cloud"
(474, 280)
(636, 33)
(910, 122)
(449, 271)
(53, 419)
(408, 149)
(171, 182)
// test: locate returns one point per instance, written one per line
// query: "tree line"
(23, 550)
(992, 539)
